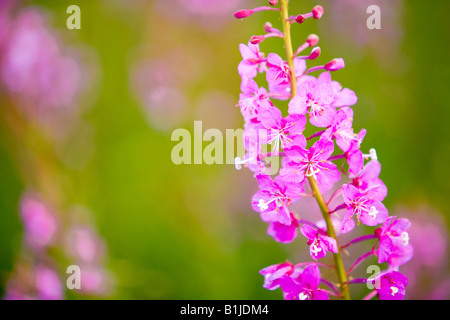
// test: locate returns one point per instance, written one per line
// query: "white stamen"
(394, 290)
(262, 205)
(373, 154)
(238, 162)
(316, 249)
(373, 212)
(405, 238)
(312, 172)
(303, 296)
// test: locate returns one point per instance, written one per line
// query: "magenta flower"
(354, 156)
(283, 91)
(278, 73)
(304, 287)
(252, 99)
(316, 100)
(285, 131)
(274, 197)
(280, 232)
(392, 286)
(313, 162)
(341, 129)
(319, 244)
(253, 61)
(368, 210)
(343, 97)
(274, 273)
(394, 244)
(368, 180)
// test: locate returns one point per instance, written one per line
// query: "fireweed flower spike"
(330, 159)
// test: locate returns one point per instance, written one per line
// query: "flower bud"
(267, 27)
(241, 14)
(335, 64)
(300, 19)
(317, 12)
(314, 53)
(273, 2)
(312, 40)
(256, 39)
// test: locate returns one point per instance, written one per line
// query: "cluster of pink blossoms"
(305, 161)
(37, 275)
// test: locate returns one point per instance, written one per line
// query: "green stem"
(288, 45)
(342, 275)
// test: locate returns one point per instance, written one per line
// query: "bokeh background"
(88, 143)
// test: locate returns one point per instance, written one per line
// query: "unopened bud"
(312, 40)
(300, 19)
(335, 64)
(267, 27)
(241, 14)
(273, 2)
(315, 53)
(317, 12)
(256, 39)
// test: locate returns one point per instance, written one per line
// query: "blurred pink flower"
(428, 269)
(84, 244)
(48, 284)
(39, 222)
(33, 67)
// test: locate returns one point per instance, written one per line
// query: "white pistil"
(404, 236)
(262, 205)
(394, 290)
(238, 162)
(310, 171)
(373, 212)
(316, 249)
(303, 296)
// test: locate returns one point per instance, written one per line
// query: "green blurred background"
(188, 231)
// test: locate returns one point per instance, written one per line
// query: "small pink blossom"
(316, 101)
(319, 244)
(392, 286)
(368, 210)
(313, 162)
(304, 287)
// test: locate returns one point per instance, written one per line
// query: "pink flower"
(392, 286)
(48, 284)
(283, 91)
(274, 197)
(305, 286)
(368, 210)
(319, 244)
(341, 129)
(394, 244)
(315, 99)
(280, 232)
(368, 180)
(274, 273)
(278, 73)
(252, 99)
(33, 67)
(40, 224)
(312, 162)
(354, 156)
(253, 61)
(281, 130)
(343, 97)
